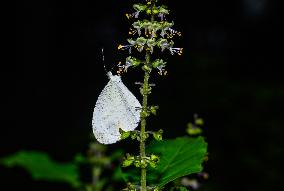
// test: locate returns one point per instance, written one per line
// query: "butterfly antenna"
(103, 59)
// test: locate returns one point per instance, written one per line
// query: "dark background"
(230, 74)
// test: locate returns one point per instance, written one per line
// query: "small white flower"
(138, 25)
(125, 47)
(151, 43)
(172, 33)
(162, 33)
(161, 16)
(163, 12)
(127, 65)
(162, 70)
(164, 44)
(139, 31)
(176, 50)
(135, 15)
(132, 31)
(140, 43)
(154, 28)
(165, 26)
(139, 48)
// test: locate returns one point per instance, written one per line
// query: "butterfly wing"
(132, 105)
(115, 108)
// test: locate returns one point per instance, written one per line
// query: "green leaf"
(124, 134)
(129, 160)
(41, 167)
(179, 157)
(179, 189)
(119, 175)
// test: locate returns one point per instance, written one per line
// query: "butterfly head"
(114, 78)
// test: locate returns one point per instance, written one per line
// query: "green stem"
(143, 123)
(145, 94)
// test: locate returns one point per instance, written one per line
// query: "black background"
(230, 74)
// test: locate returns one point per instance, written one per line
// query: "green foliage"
(169, 160)
(179, 189)
(193, 130)
(124, 134)
(154, 160)
(199, 121)
(153, 110)
(129, 160)
(179, 157)
(41, 167)
(158, 136)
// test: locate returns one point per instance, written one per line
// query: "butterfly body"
(115, 108)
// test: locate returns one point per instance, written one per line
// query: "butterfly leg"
(139, 83)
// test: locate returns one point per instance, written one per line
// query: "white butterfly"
(115, 108)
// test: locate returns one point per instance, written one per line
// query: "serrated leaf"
(41, 167)
(179, 157)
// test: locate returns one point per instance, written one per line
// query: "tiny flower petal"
(176, 50)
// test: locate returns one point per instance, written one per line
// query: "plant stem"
(143, 122)
(145, 94)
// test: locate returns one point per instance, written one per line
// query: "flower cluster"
(152, 27)
(142, 43)
(130, 61)
(138, 162)
(160, 65)
(160, 11)
(151, 33)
